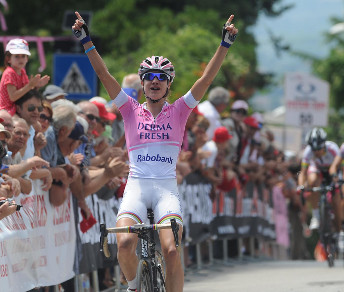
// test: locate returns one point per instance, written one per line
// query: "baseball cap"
(53, 91)
(18, 47)
(3, 130)
(252, 122)
(78, 133)
(239, 104)
(103, 113)
(221, 134)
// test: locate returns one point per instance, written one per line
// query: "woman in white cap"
(14, 81)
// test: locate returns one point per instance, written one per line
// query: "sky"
(302, 28)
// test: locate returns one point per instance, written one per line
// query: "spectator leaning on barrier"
(236, 128)
(53, 93)
(29, 108)
(18, 168)
(63, 124)
(219, 144)
(249, 153)
(218, 100)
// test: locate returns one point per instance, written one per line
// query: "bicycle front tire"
(161, 269)
(144, 279)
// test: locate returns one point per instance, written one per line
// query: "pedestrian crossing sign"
(75, 75)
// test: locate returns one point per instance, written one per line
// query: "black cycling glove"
(82, 35)
(227, 38)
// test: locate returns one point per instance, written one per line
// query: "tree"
(186, 31)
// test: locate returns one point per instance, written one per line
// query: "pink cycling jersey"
(154, 143)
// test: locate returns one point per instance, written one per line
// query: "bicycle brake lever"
(104, 241)
(175, 229)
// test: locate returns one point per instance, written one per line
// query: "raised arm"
(202, 84)
(81, 32)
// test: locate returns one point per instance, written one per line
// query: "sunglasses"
(92, 117)
(31, 108)
(45, 118)
(151, 76)
(240, 111)
(103, 123)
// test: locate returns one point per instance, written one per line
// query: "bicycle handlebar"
(137, 228)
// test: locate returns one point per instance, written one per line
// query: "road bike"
(151, 268)
(327, 234)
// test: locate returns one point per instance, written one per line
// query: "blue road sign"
(74, 73)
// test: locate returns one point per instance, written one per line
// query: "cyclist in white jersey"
(338, 166)
(154, 133)
(317, 158)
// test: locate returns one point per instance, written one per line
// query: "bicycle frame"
(326, 228)
(150, 260)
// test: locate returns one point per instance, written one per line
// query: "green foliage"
(331, 69)
(335, 132)
(186, 31)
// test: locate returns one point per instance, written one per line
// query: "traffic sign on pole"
(75, 75)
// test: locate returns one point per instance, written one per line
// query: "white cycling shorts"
(160, 195)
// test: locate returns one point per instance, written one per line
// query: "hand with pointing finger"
(80, 29)
(229, 33)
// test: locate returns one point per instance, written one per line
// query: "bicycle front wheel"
(144, 279)
(160, 265)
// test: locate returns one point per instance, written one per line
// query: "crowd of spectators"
(81, 147)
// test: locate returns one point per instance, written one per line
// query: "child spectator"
(14, 81)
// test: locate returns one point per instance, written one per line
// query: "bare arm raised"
(81, 32)
(113, 87)
(202, 84)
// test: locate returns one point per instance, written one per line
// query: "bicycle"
(327, 235)
(151, 267)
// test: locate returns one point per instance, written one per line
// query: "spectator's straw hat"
(18, 47)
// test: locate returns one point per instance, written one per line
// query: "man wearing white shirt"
(217, 102)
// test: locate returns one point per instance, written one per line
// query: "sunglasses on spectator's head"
(240, 111)
(45, 118)
(31, 108)
(150, 76)
(92, 117)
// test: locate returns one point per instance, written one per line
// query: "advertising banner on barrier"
(37, 243)
(104, 211)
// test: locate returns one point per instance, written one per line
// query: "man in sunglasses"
(29, 108)
(317, 157)
(212, 108)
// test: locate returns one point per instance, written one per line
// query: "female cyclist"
(154, 133)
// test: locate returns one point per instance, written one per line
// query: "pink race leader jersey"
(154, 143)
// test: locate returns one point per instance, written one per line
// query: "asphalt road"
(267, 276)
